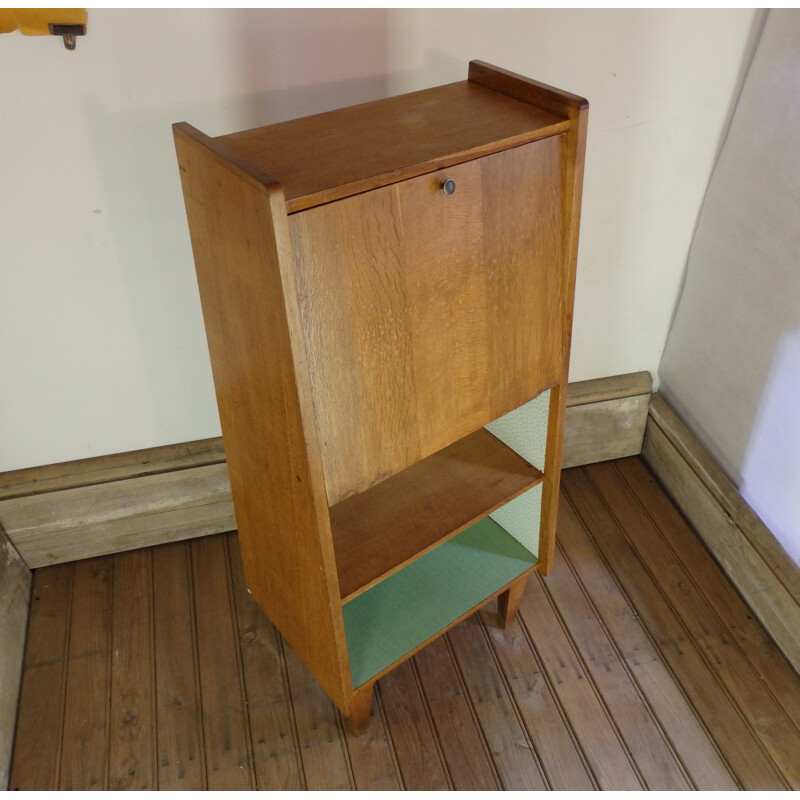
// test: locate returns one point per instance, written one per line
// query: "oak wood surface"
(243, 259)
(509, 600)
(428, 316)
(380, 530)
(428, 130)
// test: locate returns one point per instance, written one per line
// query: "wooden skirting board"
(65, 512)
(15, 591)
(764, 574)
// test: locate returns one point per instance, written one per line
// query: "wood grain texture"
(39, 731)
(545, 719)
(611, 608)
(276, 753)
(226, 733)
(86, 724)
(640, 730)
(596, 730)
(380, 530)
(759, 706)
(353, 304)
(750, 555)
(622, 421)
(511, 752)
(416, 747)
(133, 693)
(109, 468)
(733, 610)
(243, 259)
(428, 130)
(121, 515)
(428, 316)
(681, 723)
(462, 744)
(736, 740)
(320, 731)
(15, 598)
(371, 754)
(447, 307)
(613, 387)
(180, 750)
(523, 245)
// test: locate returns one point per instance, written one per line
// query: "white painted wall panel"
(731, 367)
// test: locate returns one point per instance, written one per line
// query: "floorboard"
(634, 664)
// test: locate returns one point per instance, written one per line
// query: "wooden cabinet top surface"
(328, 156)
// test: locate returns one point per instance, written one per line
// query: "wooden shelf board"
(377, 532)
(362, 147)
(400, 614)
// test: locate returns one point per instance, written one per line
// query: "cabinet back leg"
(359, 709)
(508, 602)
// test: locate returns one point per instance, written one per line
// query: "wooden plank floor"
(635, 664)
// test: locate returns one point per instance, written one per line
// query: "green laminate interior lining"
(397, 615)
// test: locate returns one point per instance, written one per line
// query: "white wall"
(731, 367)
(102, 347)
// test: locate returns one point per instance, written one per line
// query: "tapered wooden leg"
(508, 602)
(360, 706)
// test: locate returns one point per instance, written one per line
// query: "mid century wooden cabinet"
(387, 291)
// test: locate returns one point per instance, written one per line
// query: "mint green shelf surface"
(401, 612)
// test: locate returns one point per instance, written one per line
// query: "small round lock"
(448, 186)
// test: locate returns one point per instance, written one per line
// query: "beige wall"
(101, 341)
(731, 367)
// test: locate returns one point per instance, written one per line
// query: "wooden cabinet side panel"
(572, 160)
(240, 241)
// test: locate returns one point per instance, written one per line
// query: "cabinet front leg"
(508, 602)
(359, 709)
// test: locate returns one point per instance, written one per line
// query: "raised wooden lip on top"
(325, 157)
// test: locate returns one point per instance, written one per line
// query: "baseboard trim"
(65, 512)
(765, 576)
(15, 594)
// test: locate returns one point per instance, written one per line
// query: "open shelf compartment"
(402, 612)
(381, 530)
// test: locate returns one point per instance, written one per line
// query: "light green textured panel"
(524, 429)
(401, 612)
(521, 518)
